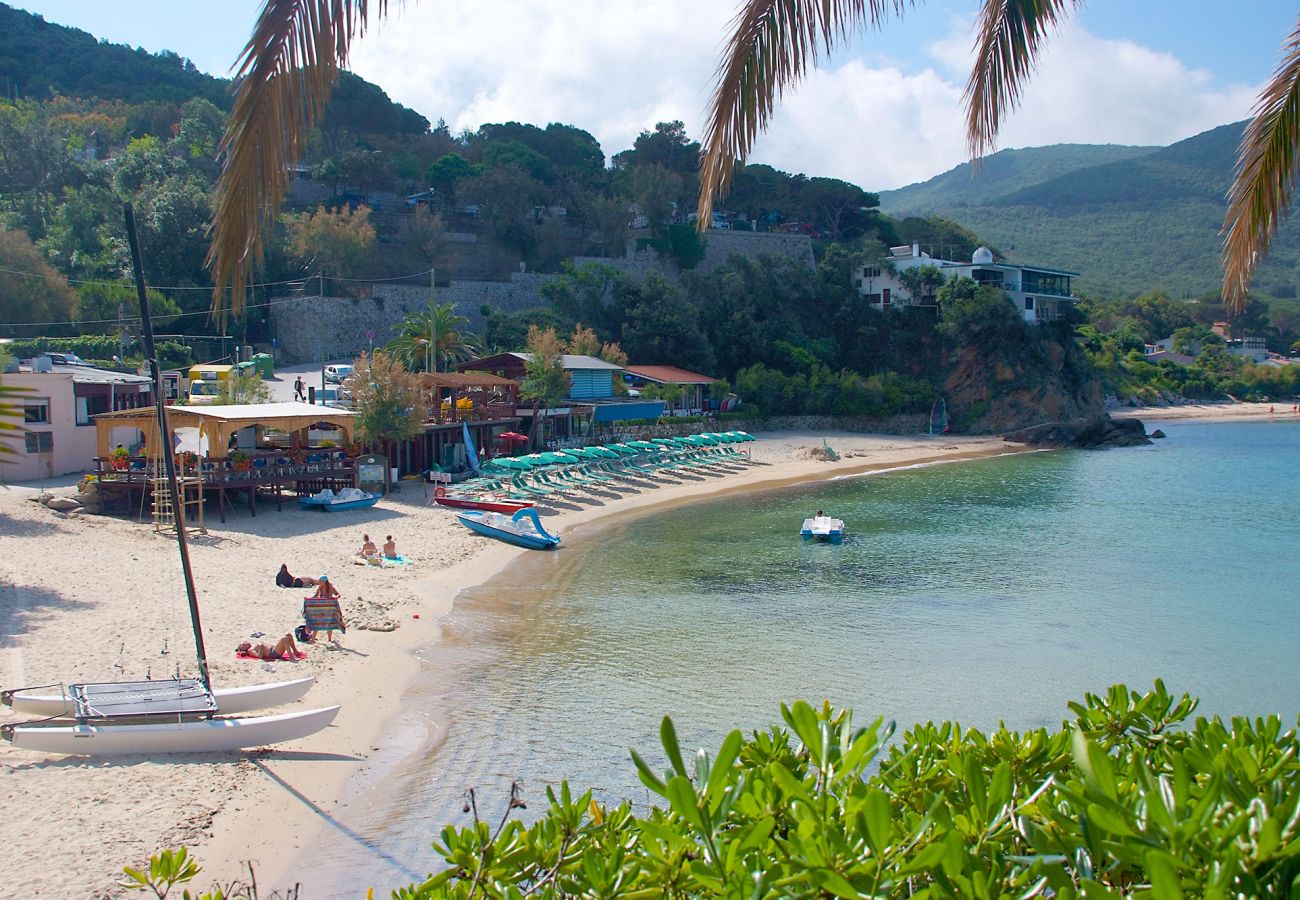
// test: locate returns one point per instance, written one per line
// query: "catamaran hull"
(230, 701)
(206, 736)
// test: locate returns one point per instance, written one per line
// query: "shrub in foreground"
(1126, 800)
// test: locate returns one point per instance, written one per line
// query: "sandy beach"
(87, 598)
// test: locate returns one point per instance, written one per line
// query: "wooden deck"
(269, 475)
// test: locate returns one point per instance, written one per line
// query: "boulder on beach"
(1096, 433)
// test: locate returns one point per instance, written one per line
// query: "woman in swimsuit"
(390, 548)
(285, 648)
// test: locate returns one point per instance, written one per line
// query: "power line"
(247, 306)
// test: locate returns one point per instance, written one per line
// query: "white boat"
(181, 715)
(822, 528)
(199, 736)
(230, 701)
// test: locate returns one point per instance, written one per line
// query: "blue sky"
(883, 111)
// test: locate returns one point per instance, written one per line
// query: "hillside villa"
(1039, 294)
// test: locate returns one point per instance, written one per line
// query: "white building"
(58, 405)
(1039, 294)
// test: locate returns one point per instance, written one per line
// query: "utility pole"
(432, 367)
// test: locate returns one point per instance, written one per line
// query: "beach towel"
(240, 654)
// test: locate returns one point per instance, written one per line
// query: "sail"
(939, 417)
(470, 455)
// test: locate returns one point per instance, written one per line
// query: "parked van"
(205, 383)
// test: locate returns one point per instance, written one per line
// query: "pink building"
(57, 408)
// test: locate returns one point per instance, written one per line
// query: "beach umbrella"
(623, 449)
(643, 445)
(518, 463)
(706, 439)
(665, 441)
(512, 437)
(555, 457)
(604, 452)
(581, 452)
(743, 436)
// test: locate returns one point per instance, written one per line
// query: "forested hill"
(1128, 225)
(40, 60)
(1002, 173)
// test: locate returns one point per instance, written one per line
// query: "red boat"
(488, 504)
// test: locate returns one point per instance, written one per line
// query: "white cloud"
(616, 69)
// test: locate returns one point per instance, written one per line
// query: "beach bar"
(247, 449)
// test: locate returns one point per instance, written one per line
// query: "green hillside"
(1129, 226)
(1003, 173)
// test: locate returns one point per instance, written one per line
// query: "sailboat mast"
(165, 437)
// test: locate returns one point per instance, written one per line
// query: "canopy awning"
(220, 422)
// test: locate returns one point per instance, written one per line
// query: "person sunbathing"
(390, 548)
(284, 579)
(284, 649)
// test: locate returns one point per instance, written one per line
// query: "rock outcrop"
(1094, 433)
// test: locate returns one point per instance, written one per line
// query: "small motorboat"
(823, 528)
(443, 497)
(523, 529)
(348, 498)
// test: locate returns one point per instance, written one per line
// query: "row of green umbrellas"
(613, 451)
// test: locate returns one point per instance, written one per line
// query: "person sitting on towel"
(368, 548)
(284, 579)
(390, 548)
(284, 648)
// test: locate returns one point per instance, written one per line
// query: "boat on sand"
(523, 529)
(181, 715)
(348, 498)
(443, 497)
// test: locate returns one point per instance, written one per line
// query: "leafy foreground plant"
(1121, 802)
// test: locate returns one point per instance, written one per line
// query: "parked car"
(336, 374)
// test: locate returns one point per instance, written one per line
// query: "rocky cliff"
(1000, 387)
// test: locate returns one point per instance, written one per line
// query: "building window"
(1029, 304)
(39, 441)
(90, 406)
(873, 298)
(884, 297)
(871, 271)
(36, 411)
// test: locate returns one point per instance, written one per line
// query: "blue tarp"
(617, 412)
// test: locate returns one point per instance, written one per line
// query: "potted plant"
(240, 461)
(119, 459)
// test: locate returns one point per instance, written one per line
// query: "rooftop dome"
(982, 256)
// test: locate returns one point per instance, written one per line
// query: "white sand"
(1222, 412)
(94, 598)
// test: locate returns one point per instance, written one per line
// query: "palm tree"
(440, 329)
(290, 64)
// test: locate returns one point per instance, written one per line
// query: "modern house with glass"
(1040, 294)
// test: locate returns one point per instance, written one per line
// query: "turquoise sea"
(983, 591)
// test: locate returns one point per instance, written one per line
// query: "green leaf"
(727, 754)
(1164, 877)
(668, 736)
(836, 884)
(1095, 765)
(880, 829)
(681, 794)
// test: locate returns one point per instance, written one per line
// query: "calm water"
(981, 591)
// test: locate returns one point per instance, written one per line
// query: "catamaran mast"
(165, 438)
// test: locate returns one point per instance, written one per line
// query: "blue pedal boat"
(523, 529)
(348, 498)
(822, 528)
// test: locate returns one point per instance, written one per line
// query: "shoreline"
(234, 841)
(267, 805)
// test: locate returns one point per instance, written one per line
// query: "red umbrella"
(512, 437)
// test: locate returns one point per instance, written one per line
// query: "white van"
(336, 374)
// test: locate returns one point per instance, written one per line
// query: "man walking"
(299, 389)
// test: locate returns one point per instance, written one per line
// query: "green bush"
(171, 355)
(1122, 801)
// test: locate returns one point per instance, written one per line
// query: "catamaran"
(180, 715)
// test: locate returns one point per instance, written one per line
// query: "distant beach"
(99, 598)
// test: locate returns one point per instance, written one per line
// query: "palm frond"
(1261, 192)
(285, 75)
(1007, 42)
(773, 45)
